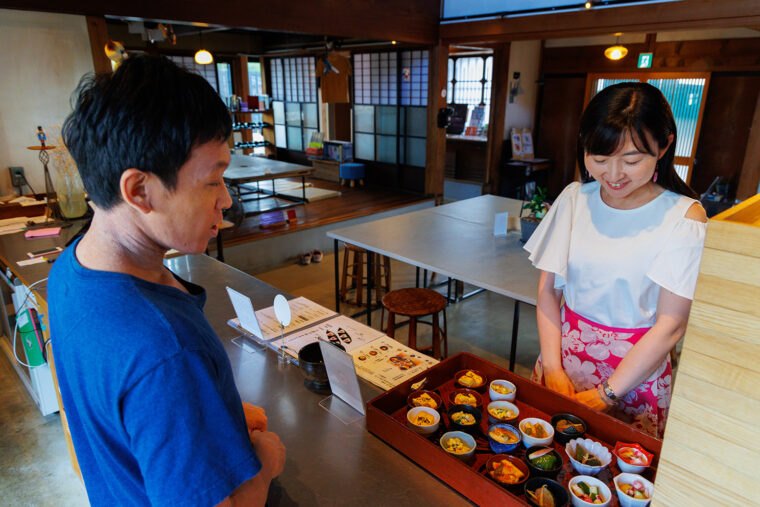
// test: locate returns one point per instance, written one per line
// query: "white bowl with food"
(536, 432)
(423, 420)
(502, 390)
(633, 490)
(586, 491)
(459, 444)
(631, 459)
(588, 456)
(502, 412)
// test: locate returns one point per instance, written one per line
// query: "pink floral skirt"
(590, 354)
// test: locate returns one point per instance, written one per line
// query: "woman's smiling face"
(626, 174)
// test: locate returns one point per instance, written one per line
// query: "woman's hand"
(559, 382)
(255, 417)
(593, 398)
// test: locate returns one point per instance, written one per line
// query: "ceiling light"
(617, 51)
(588, 5)
(203, 57)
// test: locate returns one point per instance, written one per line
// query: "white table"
(457, 241)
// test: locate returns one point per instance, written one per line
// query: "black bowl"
(563, 437)
(312, 365)
(467, 428)
(540, 472)
(561, 496)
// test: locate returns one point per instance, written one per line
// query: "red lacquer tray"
(386, 418)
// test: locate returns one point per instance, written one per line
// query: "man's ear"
(135, 189)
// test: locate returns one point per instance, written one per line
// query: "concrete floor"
(34, 463)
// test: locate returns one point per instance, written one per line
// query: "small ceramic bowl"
(517, 462)
(604, 491)
(416, 394)
(469, 428)
(423, 429)
(538, 471)
(628, 501)
(500, 447)
(595, 448)
(477, 387)
(561, 497)
(563, 437)
(468, 440)
(502, 404)
(623, 453)
(467, 392)
(505, 384)
(530, 441)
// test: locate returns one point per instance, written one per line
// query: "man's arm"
(254, 491)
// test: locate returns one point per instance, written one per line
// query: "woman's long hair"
(638, 109)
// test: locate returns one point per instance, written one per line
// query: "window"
(254, 78)
(686, 94)
(390, 106)
(207, 71)
(224, 77)
(294, 94)
(469, 82)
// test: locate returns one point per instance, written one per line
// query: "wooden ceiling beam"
(399, 20)
(686, 14)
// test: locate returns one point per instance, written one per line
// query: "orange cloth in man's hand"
(255, 417)
(594, 399)
(559, 382)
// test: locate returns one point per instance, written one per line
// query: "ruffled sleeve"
(549, 245)
(676, 266)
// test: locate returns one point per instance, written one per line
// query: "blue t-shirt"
(150, 399)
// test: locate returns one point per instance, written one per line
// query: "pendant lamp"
(202, 56)
(617, 51)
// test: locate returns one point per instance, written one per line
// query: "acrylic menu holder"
(346, 402)
(247, 323)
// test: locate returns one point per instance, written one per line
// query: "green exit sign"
(645, 60)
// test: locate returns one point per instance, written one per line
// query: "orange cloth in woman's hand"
(559, 382)
(255, 417)
(593, 399)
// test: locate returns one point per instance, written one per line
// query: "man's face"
(186, 218)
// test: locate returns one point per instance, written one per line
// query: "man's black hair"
(149, 114)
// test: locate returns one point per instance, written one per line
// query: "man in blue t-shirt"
(148, 390)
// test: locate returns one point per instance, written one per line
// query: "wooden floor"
(352, 203)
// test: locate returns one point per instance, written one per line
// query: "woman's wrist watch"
(608, 392)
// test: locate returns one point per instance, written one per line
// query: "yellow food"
(463, 418)
(456, 445)
(470, 379)
(542, 497)
(465, 399)
(424, 419)
(501, 389)
(535, 430)
(505, 472)
(503, 436)
(424, 400)
(502, 413)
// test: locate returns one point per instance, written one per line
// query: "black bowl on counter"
(536, 471)
(467, 428)
(312, 365)
(560, 494)
(563, 437)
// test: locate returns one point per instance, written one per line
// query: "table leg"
(219, 246)
(337, 276)
(413, 333)
(369, 288)
(513, 347)
(436, 338)
(417, 277)
(303, 188)
(424, 278)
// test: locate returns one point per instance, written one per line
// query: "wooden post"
(98, 32)
(435, 153)
(499, 86)
(750, 175)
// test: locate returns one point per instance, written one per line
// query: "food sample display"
(635, 490)
(501, 389)
(471, 379)
(494, 457)
(465, 399)
(424, 419)
(424, 400)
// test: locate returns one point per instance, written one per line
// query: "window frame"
(289, 85)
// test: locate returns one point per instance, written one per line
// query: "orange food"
(506, 473)
(471, 379)
(424, 400)
(535, 430)
(465, 399)
(501, 389)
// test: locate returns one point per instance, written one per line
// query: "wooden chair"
(354, 262)
(416, 303)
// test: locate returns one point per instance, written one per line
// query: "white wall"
(42, 59)
(524, 57)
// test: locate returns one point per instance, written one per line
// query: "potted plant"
(538, 208)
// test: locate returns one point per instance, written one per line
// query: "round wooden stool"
(415, 303)
(354, 260)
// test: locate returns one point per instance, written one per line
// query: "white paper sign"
(244, 311)
(343, 380)
(500, 224)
